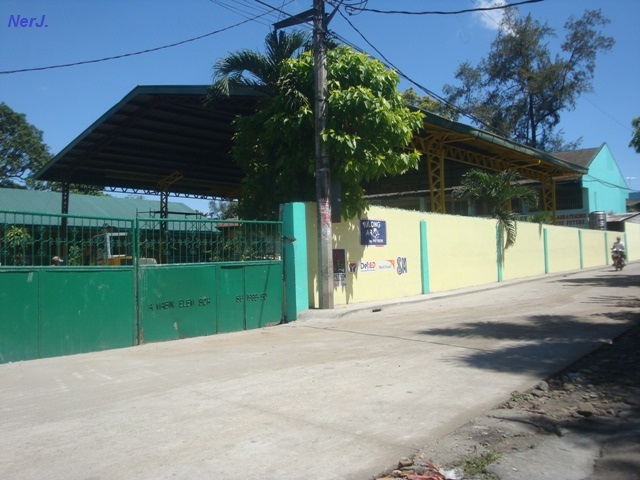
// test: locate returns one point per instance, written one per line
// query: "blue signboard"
(373, 232)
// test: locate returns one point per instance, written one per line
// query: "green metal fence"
(170, 241)
(129, 281)
(33, 239)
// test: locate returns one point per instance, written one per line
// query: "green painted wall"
(86, 310)
(295, 259)
(49, 312)
(176, 302)
(19, 319)
(607, 189)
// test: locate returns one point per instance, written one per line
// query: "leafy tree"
(22, 151)
(368, 132)
(520, 89)
(498, 190)
(260, 72)
(223, 209)
(410, 97)
(635, 141)
(17, 240)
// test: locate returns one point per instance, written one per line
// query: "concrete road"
(338, 395)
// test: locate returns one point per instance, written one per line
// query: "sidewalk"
(323, 398)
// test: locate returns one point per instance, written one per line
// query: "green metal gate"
(126, 282)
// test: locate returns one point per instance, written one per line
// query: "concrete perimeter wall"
(632, 240)
(426, 252)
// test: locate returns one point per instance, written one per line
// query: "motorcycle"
(618, 259)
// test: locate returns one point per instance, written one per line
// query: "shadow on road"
(546, 342)
(618, 280)
(617, 302)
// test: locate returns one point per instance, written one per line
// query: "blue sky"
(64, 102)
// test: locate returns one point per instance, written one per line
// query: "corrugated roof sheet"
(582, 157)
(632, 217)
(84, 205)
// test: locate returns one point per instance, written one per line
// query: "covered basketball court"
(166, 140)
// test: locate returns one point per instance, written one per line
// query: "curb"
(377, 306)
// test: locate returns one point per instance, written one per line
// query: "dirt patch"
(583, 423)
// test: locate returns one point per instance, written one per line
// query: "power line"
(422, 87)
(141, 52)
(272, 7)
(241, 10)
(627, 127)
(476, 2)
(604, 182)
(440, 12)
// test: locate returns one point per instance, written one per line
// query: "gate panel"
(176, 302)
(86, 310)
(231, 301)
(19, 315)
(263, 294)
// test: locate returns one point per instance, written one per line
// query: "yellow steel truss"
(437, 146)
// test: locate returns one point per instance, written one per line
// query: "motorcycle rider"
(618, 249)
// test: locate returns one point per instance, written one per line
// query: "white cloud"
(490, 19)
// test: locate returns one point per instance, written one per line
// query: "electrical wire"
(441, 12)
(604, 182)
(132, 54)
(243, 10)
(272, 7)
(422, 87)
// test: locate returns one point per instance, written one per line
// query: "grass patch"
(476, 465)
(516, 395)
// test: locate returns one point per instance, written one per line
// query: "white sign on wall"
(573, 218)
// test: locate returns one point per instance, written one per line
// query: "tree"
(22, 151)
(254, 70)
(410, 97)
(520, 90)
(223, 209)
(17, 241)
(368, 133)
(498, 190)
(635, 141)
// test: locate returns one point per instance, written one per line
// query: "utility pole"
(323, 174)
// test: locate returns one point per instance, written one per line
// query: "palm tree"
(498, 190)
(261, 72)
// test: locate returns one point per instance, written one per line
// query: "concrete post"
(296, 287)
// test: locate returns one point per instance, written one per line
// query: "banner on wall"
(573, 218)
(373, 232)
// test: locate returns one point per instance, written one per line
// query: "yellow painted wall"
(382, 281)
(563, 248)
(632, 235)
(594, 250)
(526, 257)
(462, 252)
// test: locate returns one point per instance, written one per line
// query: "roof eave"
(488, 137)
(139, 90)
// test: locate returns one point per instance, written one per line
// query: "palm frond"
(498, 190)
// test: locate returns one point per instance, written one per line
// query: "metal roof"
(157, 133)
(162, 134)
(84, 205)
(582, 157)
(490, 144)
